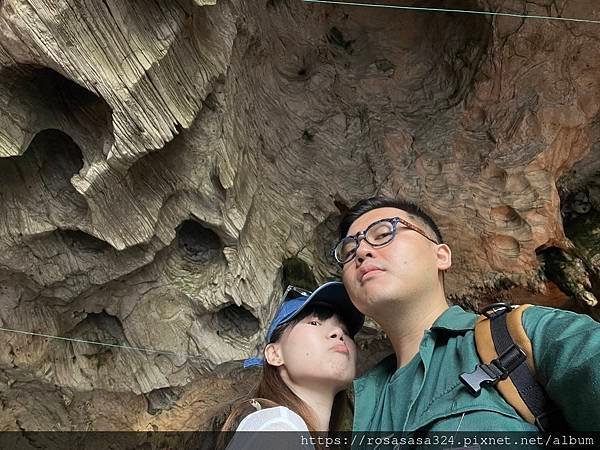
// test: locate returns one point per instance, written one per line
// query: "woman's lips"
(340, 348)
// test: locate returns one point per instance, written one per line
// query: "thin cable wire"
(330, 2)
(460, 11)
(103, 344)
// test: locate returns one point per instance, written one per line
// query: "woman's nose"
(337, 333)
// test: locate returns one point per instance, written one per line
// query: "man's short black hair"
(369, 204)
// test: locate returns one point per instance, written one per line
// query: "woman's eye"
(314, 322)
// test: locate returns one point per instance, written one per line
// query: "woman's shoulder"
(277, 418)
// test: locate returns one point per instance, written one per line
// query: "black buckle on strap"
(498, 369)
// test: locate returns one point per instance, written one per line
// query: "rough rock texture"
(166, 167)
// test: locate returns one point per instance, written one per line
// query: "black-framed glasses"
(377, 234)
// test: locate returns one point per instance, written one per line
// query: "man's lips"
(364, 272)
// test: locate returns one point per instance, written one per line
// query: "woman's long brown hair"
(272, 391)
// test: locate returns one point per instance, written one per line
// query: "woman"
(309, 359)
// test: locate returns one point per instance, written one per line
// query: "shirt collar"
(455, 319)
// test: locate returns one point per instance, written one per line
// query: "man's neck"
(406, 325)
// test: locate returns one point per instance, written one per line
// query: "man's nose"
(363, 251)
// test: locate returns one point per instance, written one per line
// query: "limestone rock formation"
(167, 167)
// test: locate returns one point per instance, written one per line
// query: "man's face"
(403, 270)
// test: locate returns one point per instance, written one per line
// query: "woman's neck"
(319, 400)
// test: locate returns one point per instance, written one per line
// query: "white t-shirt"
(278, 419)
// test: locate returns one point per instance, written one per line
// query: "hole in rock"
(341, 206)
(58, 157)
(98, 327)
(62, 103)
(577, 204)
(197, 243)
(309, 135)
(84, 242)
(162, 399)
(296, 272)
(337, 39)
(273, 3)
(70, 94)
(51, 157)
(42, 175)
(235, 321)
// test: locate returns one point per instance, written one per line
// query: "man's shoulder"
(539, 310)
(455, 319)
(544, 319)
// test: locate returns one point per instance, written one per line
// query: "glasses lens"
(292, 292)
(380, 233)
(345, 250)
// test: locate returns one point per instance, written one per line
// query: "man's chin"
(379, 297)
(370, 295)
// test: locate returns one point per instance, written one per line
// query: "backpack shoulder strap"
(507, 355)
(514, 323)
(488, 352)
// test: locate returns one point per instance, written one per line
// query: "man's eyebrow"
(423, 225)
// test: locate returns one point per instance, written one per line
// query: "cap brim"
(334, 295)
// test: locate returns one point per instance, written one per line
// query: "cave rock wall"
(166, 168)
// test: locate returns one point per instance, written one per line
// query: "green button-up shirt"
(430, 397)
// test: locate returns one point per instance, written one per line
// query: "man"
(393, 259)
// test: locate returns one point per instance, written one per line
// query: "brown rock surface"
(167, 167)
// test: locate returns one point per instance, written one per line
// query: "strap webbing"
(532, 394)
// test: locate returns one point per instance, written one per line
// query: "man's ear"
(444, 257)
(273, 354)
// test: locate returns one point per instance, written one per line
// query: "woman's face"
(317, 351)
